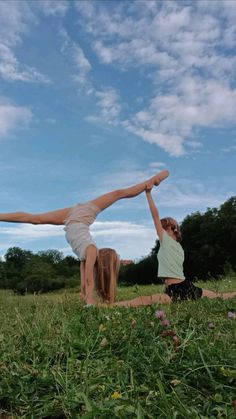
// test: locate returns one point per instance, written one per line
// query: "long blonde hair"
(106, 274)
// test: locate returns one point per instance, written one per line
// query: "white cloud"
(157, 165)
(173, 144)
(81, 64)
(28, 232)
(186, 45)
(16, 19)
(171, 118)
(13, 117)
(192, 195)
(11, 70)
(54, 8)
(109, 105)
(130, 240)
(230, 149)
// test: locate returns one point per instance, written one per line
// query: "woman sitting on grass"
(77, 221)
(170, 266)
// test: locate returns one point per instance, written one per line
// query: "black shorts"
(185, 290)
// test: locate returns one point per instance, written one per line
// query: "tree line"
(23, 271)
(209, 241)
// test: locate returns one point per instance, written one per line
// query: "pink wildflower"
(231, 315)
(165, 322)
(160, 314)
(176, 340)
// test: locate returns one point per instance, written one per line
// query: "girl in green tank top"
(170, 266)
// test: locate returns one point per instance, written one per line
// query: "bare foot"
(157, 179)
(90, 302)
(228, 295)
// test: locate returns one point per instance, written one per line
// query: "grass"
(59, 360)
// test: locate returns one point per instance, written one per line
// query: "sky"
(99, 95)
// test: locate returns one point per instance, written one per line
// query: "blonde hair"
(169, 222)
(106, 274)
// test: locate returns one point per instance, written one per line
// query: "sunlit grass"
(60, 360)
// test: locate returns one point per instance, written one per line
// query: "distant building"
(125, 262)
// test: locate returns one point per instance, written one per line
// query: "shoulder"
(164, 237)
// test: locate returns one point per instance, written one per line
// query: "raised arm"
(155, 214)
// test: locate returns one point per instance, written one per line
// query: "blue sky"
(98, 95)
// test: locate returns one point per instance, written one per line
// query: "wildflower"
(160, 314)
(175, 382)
(152, 324)
(102, 328)
(231, 315)
(133, 323)
(116, 395)
(104, 342)
(211, 325)
(177, 340)
(165, 323)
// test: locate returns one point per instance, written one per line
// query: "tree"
(142, 272)
(51, 256)
(3, 279)
(209, 241)
(40, 276)
(16, 258)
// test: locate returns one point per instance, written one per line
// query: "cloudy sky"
(98, 95)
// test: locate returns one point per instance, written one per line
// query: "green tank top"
(170, 258)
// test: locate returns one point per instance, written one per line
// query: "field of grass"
(60, 360)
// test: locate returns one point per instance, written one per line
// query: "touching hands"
(149, 186)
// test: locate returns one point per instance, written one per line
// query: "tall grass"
(60, 360)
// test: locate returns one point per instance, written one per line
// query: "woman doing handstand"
(77, 221)
(170, 266)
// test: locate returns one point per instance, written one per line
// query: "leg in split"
(224, 295)
(108, 199)
(145, 301)
(56, 217)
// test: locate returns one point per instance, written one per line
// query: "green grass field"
(59, 360)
